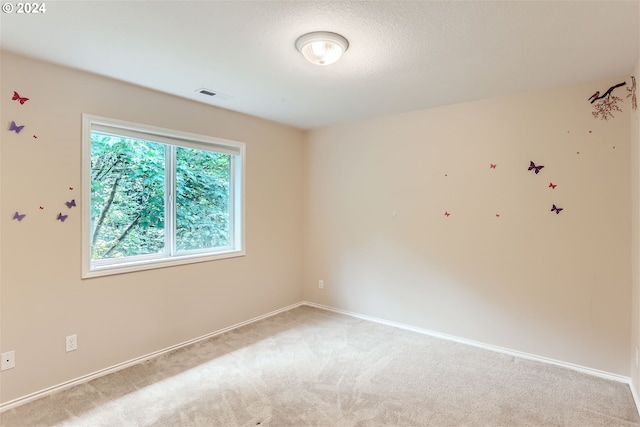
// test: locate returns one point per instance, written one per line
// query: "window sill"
(130, 267)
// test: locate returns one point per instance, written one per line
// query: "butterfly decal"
(19, 216)
(14, 127)
(61, 217)
(536, 169)
(41, 208)
(555, 208)
(70, 188)
(71, 204)
(552, 185)
(446, 214)
(35, 136)
(497, 215)
(492, 166)
(17, 97)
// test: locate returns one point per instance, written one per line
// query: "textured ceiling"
(403, 55)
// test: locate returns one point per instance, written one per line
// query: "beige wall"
(635, 241)
(118, 318)
(552, 285)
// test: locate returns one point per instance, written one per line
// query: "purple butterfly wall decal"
(536, 169)
(61, 217)
(19, 216)
(14, 127)
(71, 204)
(556, 209)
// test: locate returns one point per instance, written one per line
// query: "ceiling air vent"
(212, 93)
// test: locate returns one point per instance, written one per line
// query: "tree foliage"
(129, 197)
(202, 199)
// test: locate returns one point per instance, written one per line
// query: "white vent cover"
(213, 93)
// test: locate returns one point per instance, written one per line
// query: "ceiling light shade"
(321, 47)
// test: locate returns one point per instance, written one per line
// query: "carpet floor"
(311, 367)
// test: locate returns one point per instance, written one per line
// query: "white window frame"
(170, 137)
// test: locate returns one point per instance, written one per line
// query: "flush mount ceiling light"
(322, 47)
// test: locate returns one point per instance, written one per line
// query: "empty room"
(328, 213)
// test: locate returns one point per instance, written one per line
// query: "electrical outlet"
(8, 360)
(320, 284)
(72, 343)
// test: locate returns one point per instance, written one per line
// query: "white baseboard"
(85, 378)
(515, 353)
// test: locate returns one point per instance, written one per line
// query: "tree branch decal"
(632, 93)
(607, 103)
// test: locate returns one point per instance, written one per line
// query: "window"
(156, 197)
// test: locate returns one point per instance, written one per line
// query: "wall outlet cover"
(71, 343)
(8, 360)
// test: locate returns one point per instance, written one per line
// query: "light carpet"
(311, 367)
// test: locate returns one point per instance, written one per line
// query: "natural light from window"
(156, 197)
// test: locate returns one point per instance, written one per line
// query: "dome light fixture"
(322, 47)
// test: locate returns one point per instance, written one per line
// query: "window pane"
(158, 197)
(127, 197)
(202, 199)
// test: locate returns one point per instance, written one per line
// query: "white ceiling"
(403, 55)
